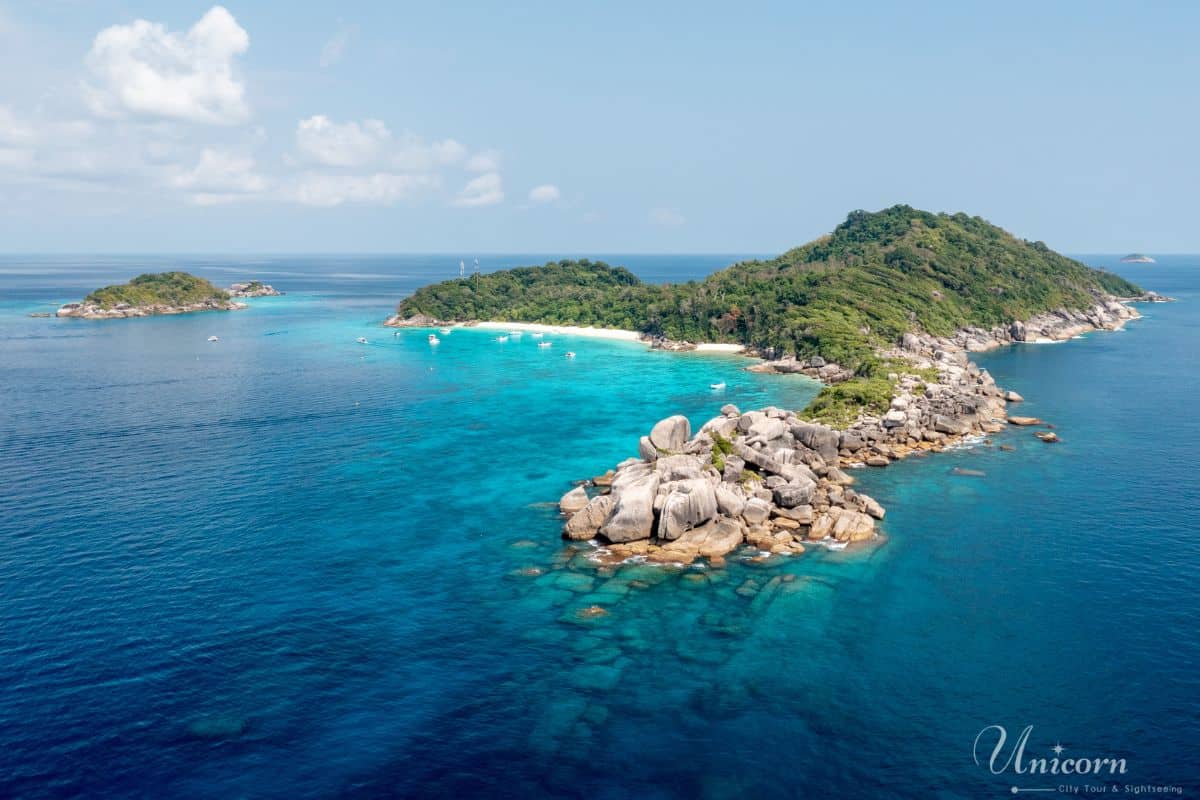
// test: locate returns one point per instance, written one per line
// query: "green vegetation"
(721, 448)
(843, 296)
(840, 404)
(163, 288)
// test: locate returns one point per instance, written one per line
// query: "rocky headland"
(771, 482)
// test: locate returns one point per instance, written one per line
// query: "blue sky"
(570, 127)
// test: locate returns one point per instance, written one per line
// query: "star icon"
(1058, 749)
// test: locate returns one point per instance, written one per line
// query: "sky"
(285, 127)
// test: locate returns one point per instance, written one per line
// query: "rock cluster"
(764, 478)
(1053, 326)
(123, 310)
(253, 289)
(415, 321)
(815, 367)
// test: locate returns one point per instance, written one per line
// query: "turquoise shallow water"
(286, 564)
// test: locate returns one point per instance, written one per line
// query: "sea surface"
(289, 565)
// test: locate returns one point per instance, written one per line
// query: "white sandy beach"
(596, 333)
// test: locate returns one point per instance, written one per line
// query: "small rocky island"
(153, 294)
(253, 289)
(1137, 258)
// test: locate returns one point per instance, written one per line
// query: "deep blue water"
(285, 564)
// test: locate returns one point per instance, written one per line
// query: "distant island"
(162, 293)
(1137, 258)
(885, 310)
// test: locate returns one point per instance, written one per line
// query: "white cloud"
(333, 50)
(322, 141)
(485, 190)
(546, 193)
(382, 188)
(220, 177)
(483, 161)
(142, 69)
(667, 217)
(14, 131)
(412, 153)
(348, 144)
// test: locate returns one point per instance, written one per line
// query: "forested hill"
(162, 288)
(877, 276)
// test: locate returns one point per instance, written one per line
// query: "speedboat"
(396, 334)
(717, 386)
(361, 340)
(501, 338)
(570, 354)
(213, 339)
(515, 333)
(434, 340)
(444, 331)
(537, 335)
(545, 344)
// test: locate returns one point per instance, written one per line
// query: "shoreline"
(587, 331)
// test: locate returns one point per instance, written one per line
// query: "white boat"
(570, 354)
(396, 334)
(537, 335)
(213, 339)
(434, 340)
(501, 338)
(717, 386)
(361, 340)
(444, 331)
(545, 344)
(515, 333)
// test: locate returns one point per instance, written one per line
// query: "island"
(885, 311)
(1137, 258)
(253, 289)
(162, 293)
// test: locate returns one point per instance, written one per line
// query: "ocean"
(286, 564)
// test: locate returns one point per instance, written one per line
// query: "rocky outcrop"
(678, 507)
(815, 367)
(253, 289)
(415, 321)
(125, 310)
